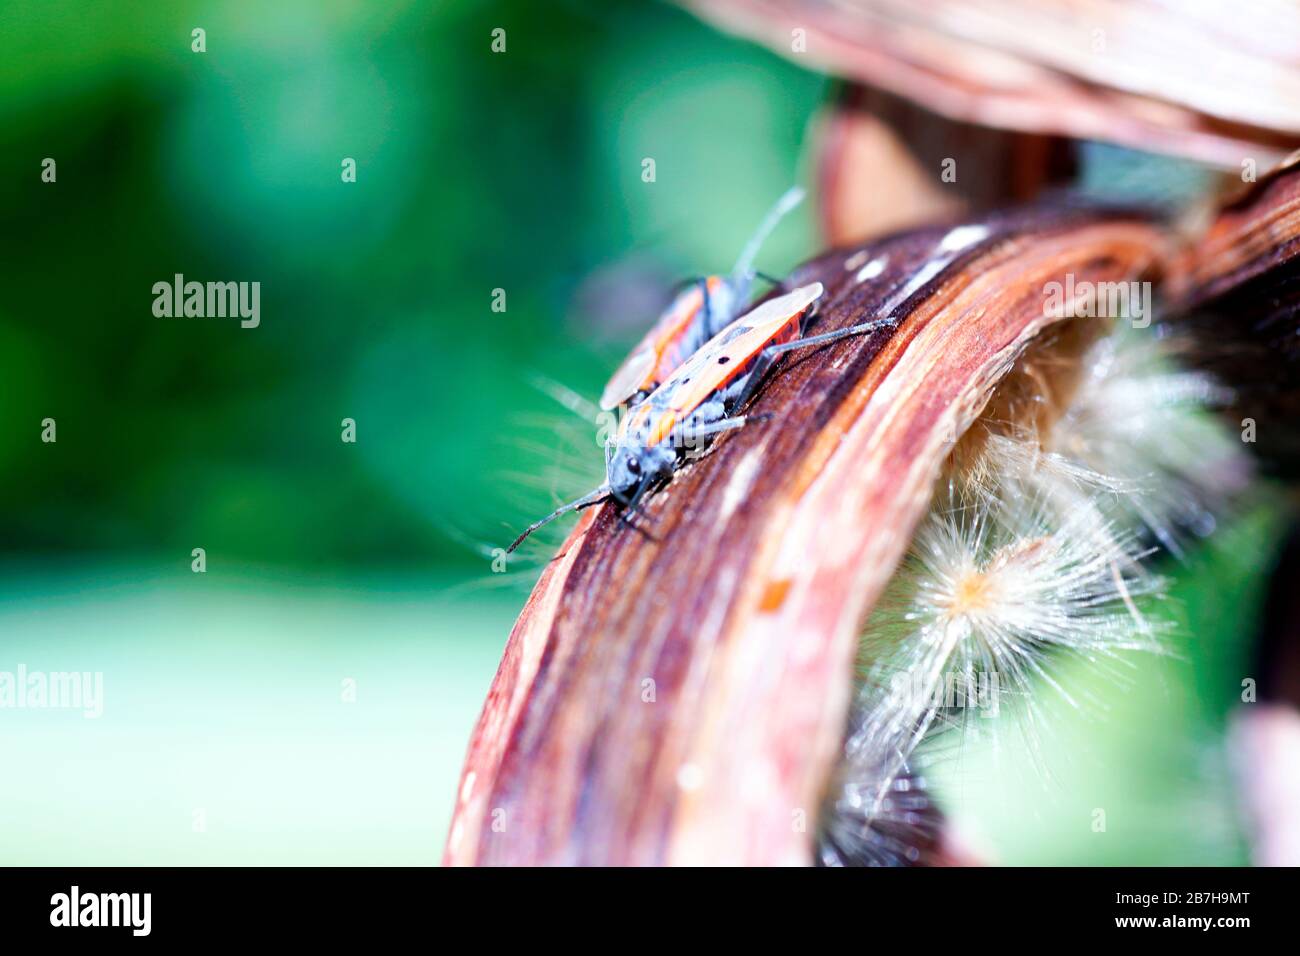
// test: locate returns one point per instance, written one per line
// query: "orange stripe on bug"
(718, 363)
(659, 352)
(701, 399)
(689, 322)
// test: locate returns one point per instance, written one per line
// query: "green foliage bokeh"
(475, 171)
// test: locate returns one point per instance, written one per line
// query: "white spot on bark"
(738, 485)
(872, 269)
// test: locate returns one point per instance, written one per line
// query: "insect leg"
(749, 385)
(688, 436)
(772, 352)
(725, 425)
(682, 283)
(860, 329)
(631, 507)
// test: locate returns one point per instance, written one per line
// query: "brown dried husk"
(766, 556)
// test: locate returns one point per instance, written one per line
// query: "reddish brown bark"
(885, 164)
(1154, 76)
(766, 556)
(1236, 290)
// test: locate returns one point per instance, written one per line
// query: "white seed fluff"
(987, 597)
(1142, 422)
(1032, 551)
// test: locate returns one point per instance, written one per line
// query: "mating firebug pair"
(682, 393)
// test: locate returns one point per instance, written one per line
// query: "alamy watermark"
(74, 908)
(1091, 300)
(956, 690)
(691, 440)
(211, 300)
(22, 689)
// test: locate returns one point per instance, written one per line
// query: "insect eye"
(634, 466)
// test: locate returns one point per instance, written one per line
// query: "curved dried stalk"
(881, 160)
(766, 556)
(1128, 72)
(1236, 290)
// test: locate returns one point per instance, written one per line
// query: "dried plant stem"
(744, 607)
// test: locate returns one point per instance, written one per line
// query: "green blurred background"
(225, 738)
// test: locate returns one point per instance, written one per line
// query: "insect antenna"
(596, 496)
(744, 265)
